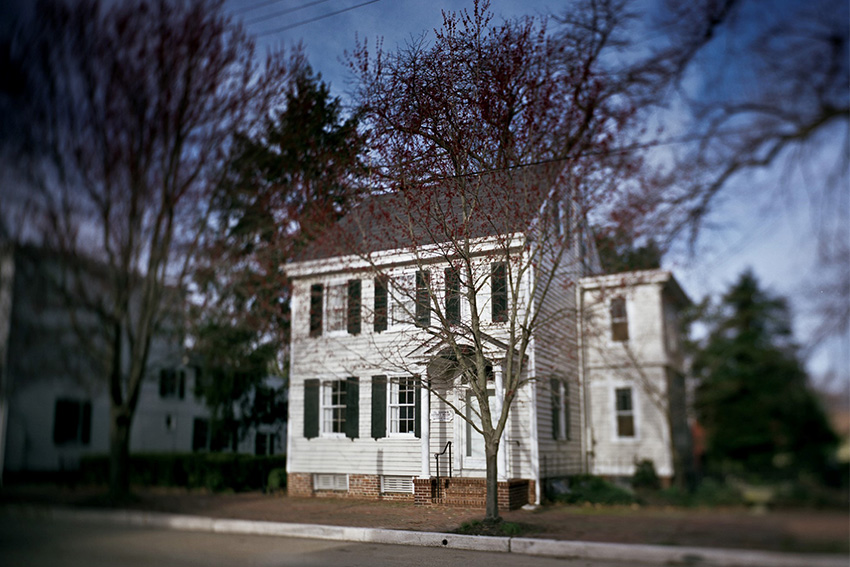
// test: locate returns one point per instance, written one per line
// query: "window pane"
(336, 311)
(499, 292)
(619, 320)
(624, 399)
(625, 425)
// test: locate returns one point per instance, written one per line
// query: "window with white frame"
(619, 320)
(625, 412)
(336, 307)
(333, 406)
(404, 299)
(401, 400)
(560, 409)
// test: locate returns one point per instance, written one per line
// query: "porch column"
(425, 428)
(498, 403)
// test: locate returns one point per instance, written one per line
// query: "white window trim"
(325, 385)
(394, 380)
(636, 414)
(396, 484)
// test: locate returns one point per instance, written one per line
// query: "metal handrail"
(437, 460)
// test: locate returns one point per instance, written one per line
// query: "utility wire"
(246, 9)
(265, 17)
(317, 18)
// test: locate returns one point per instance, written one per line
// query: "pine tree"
(760, 415)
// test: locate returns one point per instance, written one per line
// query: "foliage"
(277, 480)
(618, 252)
(497, 528)
(645, 475)
(213, 471)
(761, 418)
(594, 490)
(285, 183)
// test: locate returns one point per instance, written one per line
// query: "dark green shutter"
(556, 408)
(379, 407)
(352, 408)
(311, 408)
(85, 425)
(417, 411)
(354, 307)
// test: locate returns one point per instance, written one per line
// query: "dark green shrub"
(214, 471)
(277, 480)
(594, 490)
(645, 476)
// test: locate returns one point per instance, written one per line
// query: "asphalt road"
(35, 542)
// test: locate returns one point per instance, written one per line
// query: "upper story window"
(452, 276)
(335, 309)
(499, 292)
(619, 320)
(381, 292)
(316, 293)
(625, 412)
(172, 383)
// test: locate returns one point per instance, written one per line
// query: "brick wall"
(363, 486)
(472, 492)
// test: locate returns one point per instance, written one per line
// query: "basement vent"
(397, 484)
(330, 482)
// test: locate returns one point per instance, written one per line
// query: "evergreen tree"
(296, 176)
(760, 416)
(618, 252)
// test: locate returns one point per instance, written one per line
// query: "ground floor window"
(625, 412)
(402, 405)
(72, 422)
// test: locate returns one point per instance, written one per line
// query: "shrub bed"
(214, 471)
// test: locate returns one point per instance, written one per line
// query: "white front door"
(472, 455)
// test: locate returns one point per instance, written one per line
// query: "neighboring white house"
(361, 426)
(53, 407)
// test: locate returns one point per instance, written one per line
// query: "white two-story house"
(383, 303)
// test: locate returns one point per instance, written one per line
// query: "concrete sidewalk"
(524, 546)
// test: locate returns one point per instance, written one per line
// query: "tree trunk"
(491, 513)
(119, 453)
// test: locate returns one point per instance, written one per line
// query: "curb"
(524, 546)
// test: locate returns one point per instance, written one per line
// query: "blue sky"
(749, 226)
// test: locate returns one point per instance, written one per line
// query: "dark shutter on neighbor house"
(315, 310)
(85, 424)
(352, 408)
(181, 385)
(354, 307)
(556, 407)
(499, 292)
(379, 407)
(311, 408)
(380, 304)
(417, 400)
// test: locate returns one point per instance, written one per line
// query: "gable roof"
(469, 207)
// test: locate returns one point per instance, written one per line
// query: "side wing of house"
(632, 366)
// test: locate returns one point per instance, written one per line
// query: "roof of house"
(496, 203)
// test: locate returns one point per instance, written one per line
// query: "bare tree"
(488, 140)
(131, 108)
(760, 91)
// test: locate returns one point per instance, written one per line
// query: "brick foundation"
(362, 486)
(472, 492)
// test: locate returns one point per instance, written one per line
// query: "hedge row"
(214, 471)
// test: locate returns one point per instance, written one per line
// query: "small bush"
(645, 476)
(594, 490)
(277, 480)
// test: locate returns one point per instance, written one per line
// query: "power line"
(246, 9)
(317, 18)
(264, 17)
